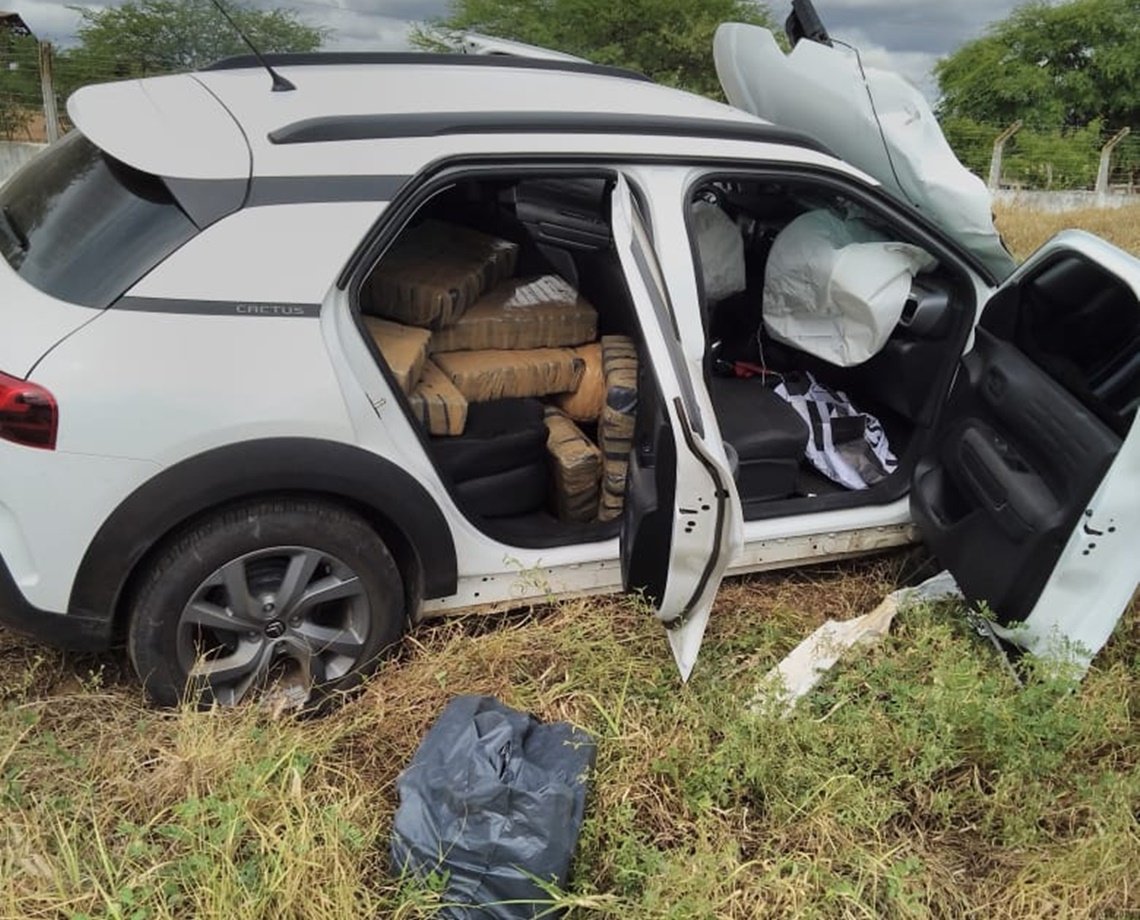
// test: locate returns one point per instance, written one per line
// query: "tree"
(1063, 66)
(668, 40)
(19, 83)
(145, 37)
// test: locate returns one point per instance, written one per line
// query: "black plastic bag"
(494, 800)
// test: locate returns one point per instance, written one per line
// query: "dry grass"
(1025, 230)
(918, 782)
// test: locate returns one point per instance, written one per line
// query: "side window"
(83, 227)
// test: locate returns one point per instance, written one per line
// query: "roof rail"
(330, 128)
(341, 58)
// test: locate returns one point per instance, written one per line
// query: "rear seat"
(767, 434)
(498, 466)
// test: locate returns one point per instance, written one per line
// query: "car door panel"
(1013, 472)
(682, 521)
(1034, 444)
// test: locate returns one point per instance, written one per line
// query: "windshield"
(84, 227)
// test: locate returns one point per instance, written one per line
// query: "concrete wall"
(1059, 202)
(14, 154)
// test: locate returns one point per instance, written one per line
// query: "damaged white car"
(288, 365)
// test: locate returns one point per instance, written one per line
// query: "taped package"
(577, 467)
(497, 374)
(435, 271)
(615, 426)
(585, 403)
(438, 405)
(404, 349)
(542, 312)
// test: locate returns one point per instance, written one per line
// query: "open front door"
(1031, 493)
(682, 521)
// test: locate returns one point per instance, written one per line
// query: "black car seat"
(767, 435)
(498, 465)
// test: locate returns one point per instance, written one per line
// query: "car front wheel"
(294, 592)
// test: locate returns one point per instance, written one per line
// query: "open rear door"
(682, 521)
(1030, 495)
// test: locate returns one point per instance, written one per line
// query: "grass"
(1025, 230)
(919, 781)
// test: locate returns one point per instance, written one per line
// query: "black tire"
(190, 615)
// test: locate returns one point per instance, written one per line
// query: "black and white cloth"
(847, 446)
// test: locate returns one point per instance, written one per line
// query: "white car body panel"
(263, 377)
(290, 254)
(706, 519)
(32, 322)
(43, 551)
(169, 126)
(474, 43)
(542, 582)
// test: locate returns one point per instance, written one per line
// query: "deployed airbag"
(835, 287)
(721, 250)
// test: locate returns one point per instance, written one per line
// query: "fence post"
(1105, 158)
(47, 85)
(995, 159)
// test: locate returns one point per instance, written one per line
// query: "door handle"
(1014, 495)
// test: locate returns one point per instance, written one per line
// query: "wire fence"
(1034, 157)
(1049, 157)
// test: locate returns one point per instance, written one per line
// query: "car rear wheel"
(301, 594)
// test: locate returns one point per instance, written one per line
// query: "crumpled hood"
(824, 92)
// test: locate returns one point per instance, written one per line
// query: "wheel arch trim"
(385, 493)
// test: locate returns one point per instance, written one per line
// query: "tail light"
(28, 413)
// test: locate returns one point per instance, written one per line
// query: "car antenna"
(280, 84)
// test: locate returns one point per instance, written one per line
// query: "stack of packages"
(458, 328)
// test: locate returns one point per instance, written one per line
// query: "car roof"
(225, 122)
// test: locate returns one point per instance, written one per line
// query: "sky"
(907, 36)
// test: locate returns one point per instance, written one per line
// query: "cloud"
(912, 25)
(907, 36)
(50, 20)
(352, 24)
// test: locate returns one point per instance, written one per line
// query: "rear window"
(84, 227)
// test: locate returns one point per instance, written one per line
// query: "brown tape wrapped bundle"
(543, 312)
(585, 403)
(439, 406)
(484, 375)
(577, 467)
(404, 349)
(434, 272)
(615, 426)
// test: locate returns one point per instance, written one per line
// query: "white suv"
(204, 452)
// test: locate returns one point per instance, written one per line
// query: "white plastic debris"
(804, 667)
